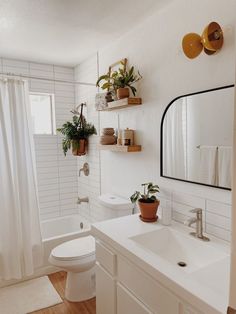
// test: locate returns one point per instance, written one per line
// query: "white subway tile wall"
(216, 215)
(57, 175)
(91, 185)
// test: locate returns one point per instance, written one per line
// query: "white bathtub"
(58, 230)
(54, 232)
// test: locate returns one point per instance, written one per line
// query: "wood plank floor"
(87, 307)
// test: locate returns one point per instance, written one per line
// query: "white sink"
(176, 247)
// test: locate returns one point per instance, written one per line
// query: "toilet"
(77, 256)
(116, 206)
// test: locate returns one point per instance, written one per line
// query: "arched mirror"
(197, 138)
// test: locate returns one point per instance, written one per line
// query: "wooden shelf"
(123, 103)
(121, 148)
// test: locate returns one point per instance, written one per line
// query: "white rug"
(28, 296)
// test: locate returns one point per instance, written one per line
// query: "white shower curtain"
(20, 237)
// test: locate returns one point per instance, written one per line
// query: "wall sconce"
(211, 41)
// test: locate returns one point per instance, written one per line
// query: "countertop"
(206, 288)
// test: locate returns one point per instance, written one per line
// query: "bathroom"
(60, 54)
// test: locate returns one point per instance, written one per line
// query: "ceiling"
(66, 31)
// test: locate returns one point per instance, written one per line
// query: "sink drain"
(182, 264)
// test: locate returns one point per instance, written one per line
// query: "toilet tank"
(118, 206)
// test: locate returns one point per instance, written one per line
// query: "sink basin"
(179, 249)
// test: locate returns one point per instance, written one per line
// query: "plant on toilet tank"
(76, 133)
(148, 202)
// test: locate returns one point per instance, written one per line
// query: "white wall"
(57, 175)
(154, 47)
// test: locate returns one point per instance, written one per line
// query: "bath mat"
(28, 296)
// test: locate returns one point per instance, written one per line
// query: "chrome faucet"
(85, 169)
(198, 221)
(83, 200)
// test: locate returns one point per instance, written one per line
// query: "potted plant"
(76, 134)
(120, 82)
(148, 202)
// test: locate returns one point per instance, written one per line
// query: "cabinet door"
(127, 303)
(105, 292)
(145, 288)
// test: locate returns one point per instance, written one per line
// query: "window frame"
(52, 111)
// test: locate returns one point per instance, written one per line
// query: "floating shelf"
(121, 148)
(123, 103)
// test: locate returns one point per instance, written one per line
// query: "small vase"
(122, 93)
(109, 97)
(148, 210)
(79, 147)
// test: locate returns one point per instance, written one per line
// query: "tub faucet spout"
(83, 200)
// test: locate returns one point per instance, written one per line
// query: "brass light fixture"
(211, 41)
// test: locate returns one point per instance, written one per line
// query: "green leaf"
(153, 198)
(133, 89)
(131, 71)
(106, 86)
(135, 197)
(102, 77)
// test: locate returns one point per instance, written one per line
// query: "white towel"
(224, 166)
(208, 162)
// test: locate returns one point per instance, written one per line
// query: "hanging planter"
(76, 134)
(79, 147)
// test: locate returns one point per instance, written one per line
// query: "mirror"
(197, 138)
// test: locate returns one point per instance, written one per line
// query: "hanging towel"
(224, 166)
(208, 161)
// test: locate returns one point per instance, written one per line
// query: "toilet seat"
(76, 249)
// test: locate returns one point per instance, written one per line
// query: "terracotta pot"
(122, 93)
(148, 210)
(79, 147)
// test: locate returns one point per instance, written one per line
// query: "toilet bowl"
(77, 257)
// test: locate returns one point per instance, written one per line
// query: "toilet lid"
(75, 249)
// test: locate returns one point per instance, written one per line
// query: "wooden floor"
(87, 307)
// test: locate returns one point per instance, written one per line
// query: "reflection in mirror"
(197, 137)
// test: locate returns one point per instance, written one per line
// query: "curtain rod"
(46, 79)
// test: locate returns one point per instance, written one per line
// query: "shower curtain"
(20, 237)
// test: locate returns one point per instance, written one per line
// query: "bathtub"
(58, 230)
(54, 232)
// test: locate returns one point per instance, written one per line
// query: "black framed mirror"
(197, 138)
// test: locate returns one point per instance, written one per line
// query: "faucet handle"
(196, 211)
(85, 169)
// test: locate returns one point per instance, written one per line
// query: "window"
(43, 113)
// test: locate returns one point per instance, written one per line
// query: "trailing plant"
(78, 129)
(119, 79)
(148, 195)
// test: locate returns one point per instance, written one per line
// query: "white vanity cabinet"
(124, 288)
(105, 280)
(105, 292)
(128, 303)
